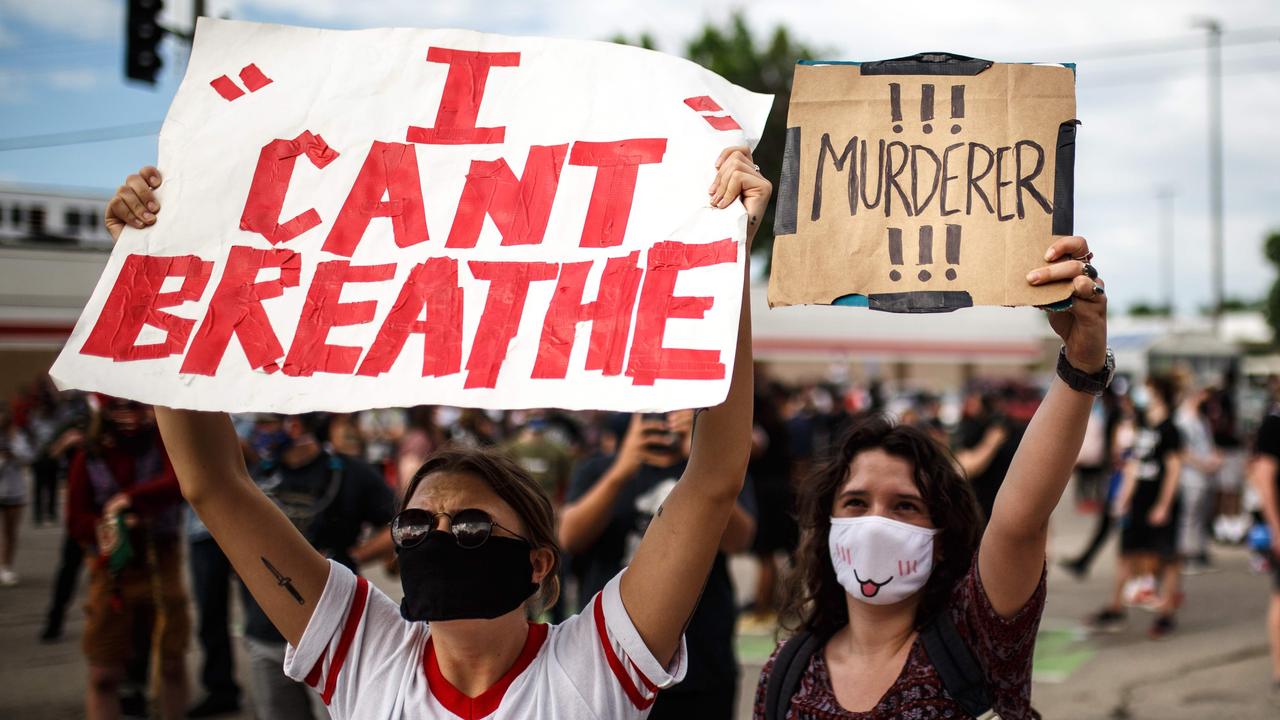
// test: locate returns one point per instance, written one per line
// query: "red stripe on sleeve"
(628, 687)
(313, 677)
(354, 616)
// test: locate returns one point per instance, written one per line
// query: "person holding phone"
(611, 503)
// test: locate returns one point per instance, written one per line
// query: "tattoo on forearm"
(283, 581)
(752, 220)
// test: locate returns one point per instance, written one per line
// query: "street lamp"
(1214, 30)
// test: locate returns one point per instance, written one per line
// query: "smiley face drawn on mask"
(870, 587)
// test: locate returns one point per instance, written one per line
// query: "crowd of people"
(897, 529)
(1163, 462)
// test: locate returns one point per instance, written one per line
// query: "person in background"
(54, 430)
(1231, 522)
(770, 473)
(211, 576)
(16, 455)
(421, 440)
(475, 429)
(382, 430)
(547, 461)
(344, 435)
(71, 556)
(1093, 467)
(612, 501)
(335, 501)
(1264, 476)
(1195, 486)
(986, 441)
(1119, 430)
(1148, 505)
(799, 416)
(123, 504)
(211, 579)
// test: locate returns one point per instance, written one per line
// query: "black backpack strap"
(788, 668)
(960, 672)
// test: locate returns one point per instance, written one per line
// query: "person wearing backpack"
(903, 606)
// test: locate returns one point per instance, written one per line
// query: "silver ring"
(757, 168)
(1085, 257)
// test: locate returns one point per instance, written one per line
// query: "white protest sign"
(358, 219)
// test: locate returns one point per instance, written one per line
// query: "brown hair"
(517, 489)
(816, 600)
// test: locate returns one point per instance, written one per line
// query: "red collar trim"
(474, 708)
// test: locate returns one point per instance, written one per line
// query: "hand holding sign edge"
(1082, 327)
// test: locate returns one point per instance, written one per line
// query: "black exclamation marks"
(927, 93)
(895, 107)
(957, 112)
(895, 252)
(953, 245)
(924, 253)
(926, 107)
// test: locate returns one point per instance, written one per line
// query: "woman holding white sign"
(477, 551)
(906, 607)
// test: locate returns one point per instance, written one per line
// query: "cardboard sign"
(923, 184)
(398, 217)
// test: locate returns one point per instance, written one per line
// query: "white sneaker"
(8, 578)
(1140, 591)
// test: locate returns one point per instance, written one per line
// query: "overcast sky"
(1144, 116)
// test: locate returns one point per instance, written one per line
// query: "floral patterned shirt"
(1003, 648)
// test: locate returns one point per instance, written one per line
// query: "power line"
(1137, 48)
(1258, 69)
(77, 137)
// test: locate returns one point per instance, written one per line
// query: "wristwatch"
(1093, 383)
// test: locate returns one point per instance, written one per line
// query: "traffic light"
(142, 40)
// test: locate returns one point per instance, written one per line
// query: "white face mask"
(880, 561)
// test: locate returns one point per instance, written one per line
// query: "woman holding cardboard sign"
(906, 608)
(477, 550)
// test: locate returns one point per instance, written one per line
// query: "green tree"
(1144, 309)
(734, 53)
(1271, 248)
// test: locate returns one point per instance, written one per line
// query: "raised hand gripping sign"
(356, 219)
(923, 184)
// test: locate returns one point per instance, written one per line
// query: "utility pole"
(1165, 245)
(1214, 30)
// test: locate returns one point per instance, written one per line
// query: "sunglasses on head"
(470, 528)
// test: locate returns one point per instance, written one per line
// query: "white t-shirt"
(368, 662)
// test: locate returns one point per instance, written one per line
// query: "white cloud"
(72, 79)
(1144, 117)
(7, 38)
(84, 19)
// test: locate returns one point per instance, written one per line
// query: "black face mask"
(443, 581)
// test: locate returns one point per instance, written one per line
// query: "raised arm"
(662, 586)
(208, 461)
(249, 528)
(1011, 556)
